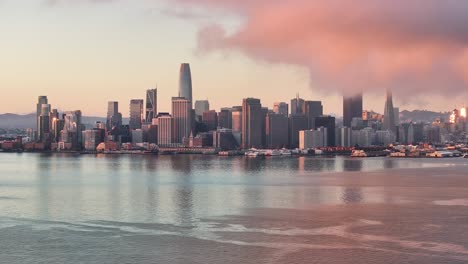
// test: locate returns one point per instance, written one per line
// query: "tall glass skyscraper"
(182, 116)
(185, 82)
(40, 101)
(136, 113)
(151, 105)
(352, 107)
(252, 123)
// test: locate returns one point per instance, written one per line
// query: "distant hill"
(422, 115)
(29, 121)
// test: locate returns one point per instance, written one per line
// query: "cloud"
(410, 46)
(57, 2)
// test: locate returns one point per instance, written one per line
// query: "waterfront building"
(237, 124)
(384, 137)
(277, 131)
(136, 114)
(223, 139)
(137, 136)
(352, 107)
(165, 124)
(71, 136)
(281, 108)
(313, 138)
(182, 114)
(252, 123)
(185, 83)
(151, 105)
(296, 124)
(343, 137)
(363, 137)
(329, 123)
(92, 138)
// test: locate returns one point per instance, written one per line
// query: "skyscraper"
(225, 118)
(40, 101)
(210, 119)
(151, 105)
(281, 108)
(276, 130)
(352, 107)
(114, 118)
(296, 124)
(389, 114)
(182, 114)
(185, 82)
(201, 106)
(252, 123)
(136, 113)
(297, 106)
(165, 124)
(44, 122)
(312, 109)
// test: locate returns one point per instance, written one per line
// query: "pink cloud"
(416, 46)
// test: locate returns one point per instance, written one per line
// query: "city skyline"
(81, 59)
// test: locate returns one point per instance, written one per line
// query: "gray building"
(329, 123)
(352, 108)
(389, 115)
(201, 106)
(296, 124)
(312, 110)
(297, 106)
(276, 131)
(281, 108)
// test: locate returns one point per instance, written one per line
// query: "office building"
(329, 123)
(151, 105)
(165, 123)
(114, 118)
(136, 113)
(343, 137)
(276, 131)
(185, 83)
(182, 115)
(297, 106)
(313, 138)
(210, 119)
(43, 130)
(201, 106)
(396, 114)
(40, 101)
(296, 124)
(225, 118)
(281, 108)
(92, 138)
(352, 108)
(312, 110)
(252, 123)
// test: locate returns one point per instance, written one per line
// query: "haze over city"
(85, 53)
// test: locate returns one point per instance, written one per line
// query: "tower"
(252, 123)
(185, 82)
(136, 113)
(182, 115)
(151, 105)
(352, 108)
(40, 101)
(389, 114)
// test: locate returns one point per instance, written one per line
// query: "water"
(58, 208)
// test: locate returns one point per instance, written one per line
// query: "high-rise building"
(252, 123)
(389, 114)
(114, 118)
(352, 108)
(281, 108)
(296, 124)
(210, 119)
(343, 137)
(313, 138)
(182, 114)
(136, 113)
(72, 130)
(225, 118)
(165, 124)
(237, 124)
(185, 82)
(201, 106)
(327, 122)
(40, 101)
(312, 109)
(396, 111)
(44, 122)
(276, 131)
(297, 106)
(151, 105)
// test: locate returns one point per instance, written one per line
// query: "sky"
(83, 53)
